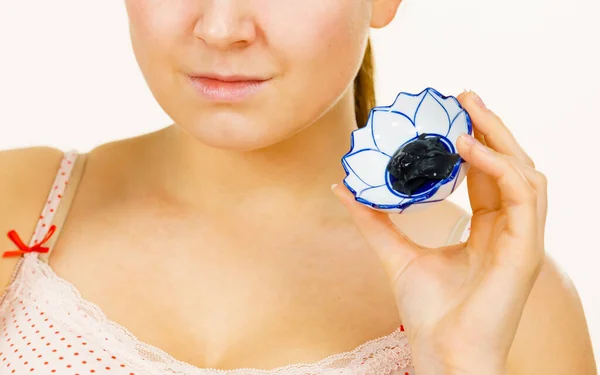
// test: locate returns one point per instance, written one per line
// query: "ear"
(383, 12)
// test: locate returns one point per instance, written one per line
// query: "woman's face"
(306, 53)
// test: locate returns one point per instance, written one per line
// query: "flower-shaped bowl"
(387, 130)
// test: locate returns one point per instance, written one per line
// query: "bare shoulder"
(434, 226)
(553, 336)
(26, 176)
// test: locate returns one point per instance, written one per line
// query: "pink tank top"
(46, 327)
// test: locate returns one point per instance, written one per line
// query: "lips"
(229, 78)
(225, 83)
(226, 88)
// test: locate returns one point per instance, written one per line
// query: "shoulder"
(26, 176)
(438, 225)
(25, 173)
(18, 162)
(553, 336)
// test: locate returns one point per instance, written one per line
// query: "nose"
(225, 23)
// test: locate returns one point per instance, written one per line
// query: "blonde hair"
(364, 88)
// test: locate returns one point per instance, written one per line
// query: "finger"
(539, 182)
(517, 259)
(484, 194)
(394, 248)
(519, 199)
(497, 135)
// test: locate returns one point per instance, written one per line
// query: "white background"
(68, 79)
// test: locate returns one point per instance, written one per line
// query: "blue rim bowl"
(390, 127)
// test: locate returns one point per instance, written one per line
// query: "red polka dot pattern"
(54, 197)
(31, 343)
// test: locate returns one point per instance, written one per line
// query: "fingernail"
(472, 141)
(333, 187)
(478, 100)
(469, 141)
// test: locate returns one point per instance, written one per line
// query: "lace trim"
(380, 356)
(49, 210)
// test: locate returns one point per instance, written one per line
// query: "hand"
(461, 305)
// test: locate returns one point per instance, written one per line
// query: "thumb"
(393, 247)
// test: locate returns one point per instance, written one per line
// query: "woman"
(217, 240)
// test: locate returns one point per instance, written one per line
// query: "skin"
(226, 210)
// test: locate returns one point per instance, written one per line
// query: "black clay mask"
(421, 162)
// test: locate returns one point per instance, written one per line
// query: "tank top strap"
(59, 201)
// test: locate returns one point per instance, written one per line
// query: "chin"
(236, 132)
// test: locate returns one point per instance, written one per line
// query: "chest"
(230, 301)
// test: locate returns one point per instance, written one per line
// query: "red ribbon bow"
(23, 249)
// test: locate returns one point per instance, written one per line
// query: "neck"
(284, 176)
